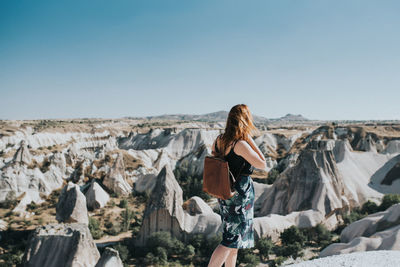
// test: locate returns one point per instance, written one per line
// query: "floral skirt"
(237, 215)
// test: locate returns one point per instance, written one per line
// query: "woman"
(242, 155)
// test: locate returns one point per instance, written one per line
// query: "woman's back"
(236, 162)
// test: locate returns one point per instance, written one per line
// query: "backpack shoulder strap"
(216, 147)
(234, 143)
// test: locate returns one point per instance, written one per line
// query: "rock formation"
(328, 176)
(110, 258)
(193, 163)
(58, 245)
(29, 182)
(273, 225)
(96, 197)
(167, 147)
(377, 231)
(392, 175)
(393, 147)
(22, 156)
(195, 205)
(384, 240)
(145, 183)
(71, 206)
(115, 180)
(371, 224)
(313, 183)
(164, 211)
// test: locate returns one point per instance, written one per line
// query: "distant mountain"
(218, 116)
(292, 117)
(214, 116)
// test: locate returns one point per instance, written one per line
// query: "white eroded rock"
(110, 258)
(385, 240)
(61, 245)
(164, 211)
(71, 206)
(273, 225)
(371, 224)
(22, 156)
(313, 183)
(115, 180)
(96, 197)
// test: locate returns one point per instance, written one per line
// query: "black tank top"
(235, 162)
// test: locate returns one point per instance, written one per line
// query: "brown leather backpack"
(218, 180)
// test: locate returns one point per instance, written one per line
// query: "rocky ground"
(381, 258)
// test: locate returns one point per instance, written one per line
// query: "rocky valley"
(128, 191)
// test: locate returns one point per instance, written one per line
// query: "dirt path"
(111, 239)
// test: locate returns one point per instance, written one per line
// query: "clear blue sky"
(322, 59)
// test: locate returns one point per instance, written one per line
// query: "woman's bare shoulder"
(241, 145)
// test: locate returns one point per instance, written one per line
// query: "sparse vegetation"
(192, 185)
(122, 250)
(13, 245)
(367, 208)
(113, 228)
(94, 227)
(389, 200)
(123, 203)
(273, 174)
(10, 201)
(264, 246)
(127, 217)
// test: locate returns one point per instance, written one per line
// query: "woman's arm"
(255, 148)
(250, 152)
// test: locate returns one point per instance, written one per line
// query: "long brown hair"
(238, 125)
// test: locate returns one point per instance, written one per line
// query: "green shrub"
(178, 247)
(31, 206)
(189, 251)
(354, 215)
(9, 214)
(127, 217)
(369, 207)
(150, 259)
(318, 234)
(192, 185)
(108, 224)
(122, 250)
(123, 203)
(114, 229)
(10, 201)
(293, 249)
(164, 239)
(250, 260)
(291, 235)
(94, 227)
(162, 256)
(196, 241)
(272, 176)
(160, 239)
(277, 261)
(389, 200)
(264, 246)
(247, 257)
